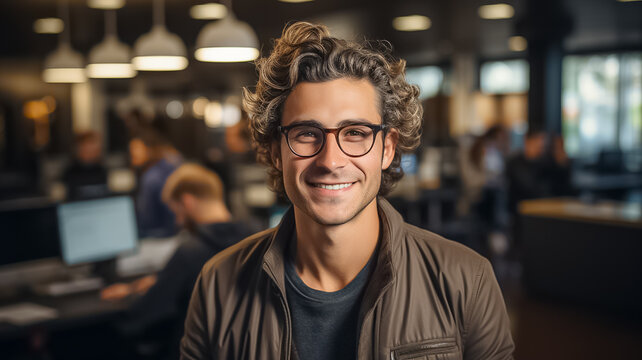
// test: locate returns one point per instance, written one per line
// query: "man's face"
(89, 151)
(138, 153)
(179, 211)
(534, 146)
(355, 180)
(182, 213)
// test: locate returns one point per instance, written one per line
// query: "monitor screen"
(28, 234)
(409, 164)
(97, 230)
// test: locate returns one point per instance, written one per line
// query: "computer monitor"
(97, 230)
(409, 164)
(28, 234)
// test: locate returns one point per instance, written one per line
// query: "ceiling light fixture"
(110, 58)
(517, 43)
(411, 23)
(50, 25)
(295, 1)
(209, 11)
(159, 50)
(64, 65)
(106, 4)
(496, 11)
(227, 40)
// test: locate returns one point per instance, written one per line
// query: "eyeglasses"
(308, 140)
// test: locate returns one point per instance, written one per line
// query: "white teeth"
(333, 187)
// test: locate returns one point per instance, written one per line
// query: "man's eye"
(306, 135)
(355, 133)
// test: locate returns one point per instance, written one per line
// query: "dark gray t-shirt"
(325, 324)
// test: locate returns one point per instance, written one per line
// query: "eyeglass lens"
(354, 140)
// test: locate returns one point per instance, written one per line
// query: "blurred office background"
(531, 151)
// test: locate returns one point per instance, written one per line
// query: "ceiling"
(456, 27)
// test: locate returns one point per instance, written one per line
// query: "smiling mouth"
(332, 186)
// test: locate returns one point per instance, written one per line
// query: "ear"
(188, 202)
(389, 146)
(276, 155)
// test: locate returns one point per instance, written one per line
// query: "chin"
(336, 214)
(332, 220)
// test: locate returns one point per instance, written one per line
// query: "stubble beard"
(321, 221)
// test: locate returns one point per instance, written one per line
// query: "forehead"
(330, 102)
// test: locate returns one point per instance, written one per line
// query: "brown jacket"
(427, 298)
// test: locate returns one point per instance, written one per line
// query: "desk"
(607, 213)
(587, 254)
(83, 329)
(86, 308)
(73, 311)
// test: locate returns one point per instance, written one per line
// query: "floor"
(552, 330)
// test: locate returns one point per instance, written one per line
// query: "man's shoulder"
(441, 252)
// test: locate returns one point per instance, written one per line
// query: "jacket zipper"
(367, 314)
(436, 348)
(287, 347)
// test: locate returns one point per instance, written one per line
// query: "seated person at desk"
(152, 154)
(86, 177)
(526, 171)
(538, 173)
(195, 195)
(559, 169)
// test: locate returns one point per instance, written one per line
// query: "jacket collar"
(274, 258)
(384, 273)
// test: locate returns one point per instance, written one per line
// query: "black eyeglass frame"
(375, 130)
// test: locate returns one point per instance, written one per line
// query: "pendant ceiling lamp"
(64, 65)
(227, 40)
(110, 58)
(106, 4)
(159, 50)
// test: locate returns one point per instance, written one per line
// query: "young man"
(156, 159)
(86, 177)
(195, 195)
(343, 276)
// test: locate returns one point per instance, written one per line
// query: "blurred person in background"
(526, 170)
(196, 196)
(482, 167)
(343, 276)
(473, 174)
(154, 158)
(558, 171)
(539, 171)
(86, 177)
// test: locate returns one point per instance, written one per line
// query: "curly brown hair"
(307, 53)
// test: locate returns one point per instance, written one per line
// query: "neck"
(212, 212)
(329, 257)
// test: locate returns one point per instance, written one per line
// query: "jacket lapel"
(384, 274)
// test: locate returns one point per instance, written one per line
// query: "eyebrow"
(340, 124)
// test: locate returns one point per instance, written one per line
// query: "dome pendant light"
(110, 58)
(227, 40)
(106, 4)
(64, 65)
(159, 50)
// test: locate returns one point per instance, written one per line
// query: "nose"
(331, 157)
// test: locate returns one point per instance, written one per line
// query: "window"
(602, 103)
(428, 78)
(502, 77)
(631, 103)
